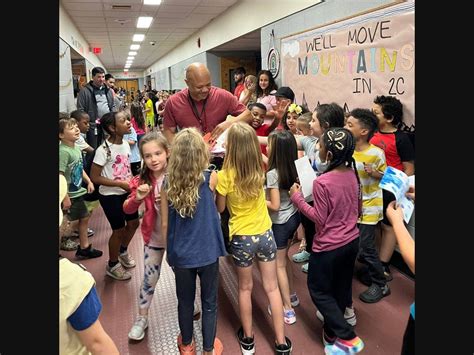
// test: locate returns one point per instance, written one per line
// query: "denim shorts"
(244, 247)
(284, 232)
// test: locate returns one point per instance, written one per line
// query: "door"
(130, 86)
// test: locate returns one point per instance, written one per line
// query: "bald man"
(202, 106)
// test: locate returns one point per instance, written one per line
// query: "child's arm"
(213, 181)
(408, 167)
(274, 203)
(220, 202)
(372, 172)
(262, 140)
(90, 185)
(317, 213)
(66, 202)
(406, 243)
(97, 341)
(164, 213)
(265, 159)
(96, 170)
(136, 197)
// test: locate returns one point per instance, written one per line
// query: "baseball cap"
(285, 92)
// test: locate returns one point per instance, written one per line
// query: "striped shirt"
(372, 200)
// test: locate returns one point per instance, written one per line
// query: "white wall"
(66, 91)
(315, 16)
(70, 34)
(177, 70)
(241, 18)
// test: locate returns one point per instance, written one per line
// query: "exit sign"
(97, 50)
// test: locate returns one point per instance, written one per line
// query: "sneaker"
(301, 257)
(387, 273)
(247, 344)
(342, 347)
(90, 233)
(349, 316)
(327, 340)
(88, 253)
(117, 272)
(295, 301)
(186, 349)
(289, 316)
(126, 260)
(68, 244)
(374, 293)
(304, 268)
(138, 329)
(284, 349)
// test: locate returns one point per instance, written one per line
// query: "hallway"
(380, 325)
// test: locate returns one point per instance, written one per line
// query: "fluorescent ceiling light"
(144, 22)
(134, 47)
(128, 63)
(127, 66)
(125, 70)
(138, 38)
(132, 53)
(130, 58)
(151, 2)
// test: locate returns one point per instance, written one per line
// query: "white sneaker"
(126, 260)
(138, 329)
(349, 315)
(117, 272)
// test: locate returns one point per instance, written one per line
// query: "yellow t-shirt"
(372, 200)
(150, 115)
(246, 217)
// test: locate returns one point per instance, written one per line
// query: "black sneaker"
(284, 349)
(374, 293)
(88, 253)
(247, 344)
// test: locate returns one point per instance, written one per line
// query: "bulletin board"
(352, 61)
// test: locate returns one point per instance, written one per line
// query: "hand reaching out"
(142, 191)
(295, 188)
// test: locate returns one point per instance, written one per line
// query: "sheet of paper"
(397, 182)
(219, 145)
(306, 175)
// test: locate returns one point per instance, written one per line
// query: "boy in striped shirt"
(370, 163)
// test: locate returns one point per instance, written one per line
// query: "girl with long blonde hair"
(191, 223)
(240, 188)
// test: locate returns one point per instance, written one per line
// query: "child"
(370, 163)
(111, 170)
(146, 188)
(83, 123)
(80, 330)
(292, 114)
(324, 117)
(303, 124)
(336, 196)
(132, 139)
(190, 220)
(71, 166)
(285, 217)
(249, 96)
(399, 153)
(258, 112)
(137, 120)
(240, 188)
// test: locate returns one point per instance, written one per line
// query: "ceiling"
(111, 24)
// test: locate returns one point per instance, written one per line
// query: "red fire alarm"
(97, 50)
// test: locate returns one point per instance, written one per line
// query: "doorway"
(130, 86)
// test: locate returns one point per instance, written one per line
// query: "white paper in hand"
(397, 182)
(218, 147)
(306, 175)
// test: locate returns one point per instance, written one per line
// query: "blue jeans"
(186, 291)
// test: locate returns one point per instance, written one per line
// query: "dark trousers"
(186, 290)
(408, 347)
(368, 254)
(309, 230)
(330, 287)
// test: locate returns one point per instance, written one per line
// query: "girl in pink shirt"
(146, 188)
(336, 208)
